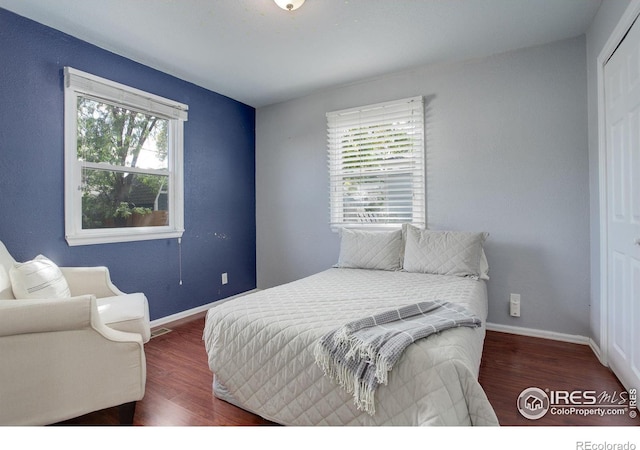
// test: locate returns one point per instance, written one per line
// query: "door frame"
(614, 40)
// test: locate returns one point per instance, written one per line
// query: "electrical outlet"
(225, 278)
(514, 305)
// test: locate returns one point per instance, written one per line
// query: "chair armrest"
(52, 315)
(44, 315)
(90, 281)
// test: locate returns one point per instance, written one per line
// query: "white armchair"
(63, 358)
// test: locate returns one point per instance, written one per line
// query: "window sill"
(129, 235)
(370, 227)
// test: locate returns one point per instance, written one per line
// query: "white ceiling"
(259, 54)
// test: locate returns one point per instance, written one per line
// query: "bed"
(260, 346)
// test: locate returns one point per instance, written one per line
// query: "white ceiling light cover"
(289, 5)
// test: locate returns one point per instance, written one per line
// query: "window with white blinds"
(377, 165)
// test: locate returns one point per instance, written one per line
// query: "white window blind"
(102, 89)
(376, 164)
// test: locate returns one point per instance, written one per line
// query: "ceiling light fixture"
(289, 5)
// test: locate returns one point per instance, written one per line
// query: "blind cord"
(180, 259)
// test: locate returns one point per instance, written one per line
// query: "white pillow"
(484, 266)
(379, 250)
(456, 253)
(38, 278)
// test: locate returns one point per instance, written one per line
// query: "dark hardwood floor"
(178, 390)
(512, 363)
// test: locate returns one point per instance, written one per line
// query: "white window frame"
(405, 115)
(82, 84)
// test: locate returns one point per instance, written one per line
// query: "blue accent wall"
(219, 172)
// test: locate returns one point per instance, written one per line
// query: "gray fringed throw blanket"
(359, 355)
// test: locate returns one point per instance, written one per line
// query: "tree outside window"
(121, 139)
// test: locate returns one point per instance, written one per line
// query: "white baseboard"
(596, 351)
(193, 311)
(571, 338)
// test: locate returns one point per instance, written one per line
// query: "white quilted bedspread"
(260, 347)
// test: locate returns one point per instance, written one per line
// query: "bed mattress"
(260, 348)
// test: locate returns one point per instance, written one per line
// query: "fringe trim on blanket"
(363, 396)
(368, 353)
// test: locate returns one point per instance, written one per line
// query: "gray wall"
(506, 153)
(601, 28)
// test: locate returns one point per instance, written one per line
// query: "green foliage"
(115, 136)
(126, 210)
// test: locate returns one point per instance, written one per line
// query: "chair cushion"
(6, 263)
(38, 278)
(6, 292)
(128, 312)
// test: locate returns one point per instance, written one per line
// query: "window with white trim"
(123, 162)
(377, 165)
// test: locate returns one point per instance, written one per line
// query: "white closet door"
(622, 101)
